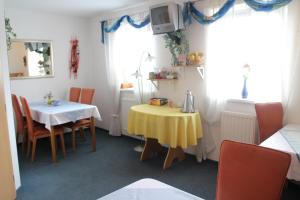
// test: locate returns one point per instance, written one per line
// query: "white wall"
(9, 110)
(59, 29)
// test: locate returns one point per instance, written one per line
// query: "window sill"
(244, 101)
(126, 89)
(240, 106)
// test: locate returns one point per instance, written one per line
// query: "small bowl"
(56, 103)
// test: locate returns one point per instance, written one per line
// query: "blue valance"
(259, 5)
(117, 24)
(190, 11)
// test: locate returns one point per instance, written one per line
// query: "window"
(246, 37)
(128, 46)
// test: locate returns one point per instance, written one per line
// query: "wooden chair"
(87, 95)
(37, 132)
(74, 94)
(21, 121)
(269, 117)
(251, 172)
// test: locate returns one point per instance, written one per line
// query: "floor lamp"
(138, 75)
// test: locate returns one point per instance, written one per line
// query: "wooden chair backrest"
(74, 94)
(87, 95)
(250, 172)
(27, 113)
(269, 117)
(18, 114)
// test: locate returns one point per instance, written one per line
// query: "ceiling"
(82, 8)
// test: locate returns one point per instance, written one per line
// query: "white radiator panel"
(127, 99)
(126, 103)
(238, 127)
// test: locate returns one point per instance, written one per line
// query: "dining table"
(287, 140)
(63, 112)
(164, 125)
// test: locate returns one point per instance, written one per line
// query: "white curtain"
(291, 82)
(124, 49)
(113, 80)
(243, 36)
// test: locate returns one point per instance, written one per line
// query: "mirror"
(30, 59)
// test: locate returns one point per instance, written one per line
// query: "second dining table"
(61, 113)
(287, 140)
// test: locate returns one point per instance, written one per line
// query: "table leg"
(151, 147)
(93, 134)
(173, 153)
(53, 144)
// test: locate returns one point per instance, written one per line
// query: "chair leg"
(93, 132)
(81, 133)
(33, 149)
(62, 142)
(24, 142)
(28, 147)
(56, 143)
(74, 139)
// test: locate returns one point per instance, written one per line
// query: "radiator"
(126, 103)
(238, 127)
(127, 99)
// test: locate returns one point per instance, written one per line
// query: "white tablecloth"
(149, 189)
(63, 113)
(278, 142)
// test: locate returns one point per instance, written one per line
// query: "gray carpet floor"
(87, 175)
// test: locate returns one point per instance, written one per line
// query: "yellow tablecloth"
(167, 125)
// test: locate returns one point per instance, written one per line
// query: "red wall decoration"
(74, 59)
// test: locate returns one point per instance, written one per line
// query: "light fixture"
(138, 75)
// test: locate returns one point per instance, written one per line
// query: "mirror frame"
(34, 77)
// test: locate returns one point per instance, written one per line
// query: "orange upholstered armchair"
(269, 117)
(74, 94)
(251, 172)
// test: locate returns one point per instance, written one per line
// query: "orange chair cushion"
(40, 131)
(251, 172)
(78, 124)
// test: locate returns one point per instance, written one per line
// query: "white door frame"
(7, 184)
(4, 76)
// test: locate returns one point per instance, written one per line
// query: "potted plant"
(178, 46)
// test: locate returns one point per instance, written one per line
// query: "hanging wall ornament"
(74, 60)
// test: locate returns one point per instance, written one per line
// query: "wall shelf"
(155, 82)
(200, 68)
(201, 71)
